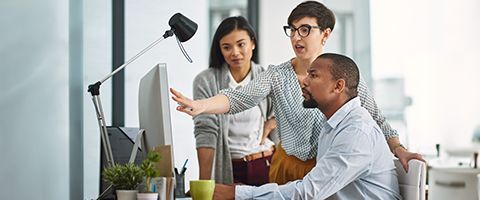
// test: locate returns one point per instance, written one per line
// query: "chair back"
(412, 184)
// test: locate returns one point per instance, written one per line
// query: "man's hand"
(224, 192)
(404, 156)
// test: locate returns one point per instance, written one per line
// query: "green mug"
(202, 189)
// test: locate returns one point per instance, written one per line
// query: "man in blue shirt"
(353, 160)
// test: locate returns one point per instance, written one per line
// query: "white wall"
(434, 45)
(274, 45)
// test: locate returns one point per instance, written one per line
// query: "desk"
(450, 162)
(453, 183)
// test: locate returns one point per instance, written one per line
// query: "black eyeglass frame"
(290, 28)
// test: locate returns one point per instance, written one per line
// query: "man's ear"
(339, 86)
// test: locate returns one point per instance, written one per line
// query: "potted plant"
(149, 171)
(124, 179)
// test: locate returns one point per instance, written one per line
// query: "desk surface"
(450, 162)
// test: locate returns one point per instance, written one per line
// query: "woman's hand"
(267, 129)
(186, 105)
(404, 156)
(402, 153)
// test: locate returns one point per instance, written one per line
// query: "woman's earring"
(323, 42)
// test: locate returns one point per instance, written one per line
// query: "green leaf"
(123, 177)
(148, 167)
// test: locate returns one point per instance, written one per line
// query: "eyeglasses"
(303, 30)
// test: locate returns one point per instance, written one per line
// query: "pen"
(183, 168)
(176, 171)
(183, 171)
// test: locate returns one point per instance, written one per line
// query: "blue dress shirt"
(353, 162)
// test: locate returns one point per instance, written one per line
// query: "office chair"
(412, 184)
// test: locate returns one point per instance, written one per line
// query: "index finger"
(182, 102)
(176, 93)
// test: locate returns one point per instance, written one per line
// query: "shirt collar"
(233, 84)
(341, 113)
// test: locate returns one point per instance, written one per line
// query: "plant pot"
(127, 194)
(147, 196)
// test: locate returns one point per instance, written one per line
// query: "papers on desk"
(164, 187)
(165, 167)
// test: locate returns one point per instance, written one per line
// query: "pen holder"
(180, 185)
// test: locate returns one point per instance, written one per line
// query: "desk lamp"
(183, 28)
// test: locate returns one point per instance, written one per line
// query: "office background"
(419, 57)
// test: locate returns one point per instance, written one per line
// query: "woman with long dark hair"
(234, 147)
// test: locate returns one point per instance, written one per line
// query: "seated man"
(353, 160)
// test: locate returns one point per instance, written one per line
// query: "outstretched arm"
(217, 104)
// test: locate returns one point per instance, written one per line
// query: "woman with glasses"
(237, 144)
(309, 27)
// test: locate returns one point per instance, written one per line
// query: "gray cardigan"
(212, 130)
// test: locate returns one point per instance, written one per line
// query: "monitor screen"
(154, 109)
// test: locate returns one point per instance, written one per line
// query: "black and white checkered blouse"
(297, 126)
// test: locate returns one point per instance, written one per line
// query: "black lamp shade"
(183, 27)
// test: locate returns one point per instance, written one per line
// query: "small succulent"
(123, 177)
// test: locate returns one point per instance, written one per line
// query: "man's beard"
(311, 103)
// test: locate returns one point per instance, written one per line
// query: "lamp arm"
(167, 34)
(94, 88)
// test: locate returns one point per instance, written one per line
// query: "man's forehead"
(319, 64)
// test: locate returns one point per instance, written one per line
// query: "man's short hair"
(344, 68)
(325, 17)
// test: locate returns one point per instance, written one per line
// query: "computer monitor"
(154, 109)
